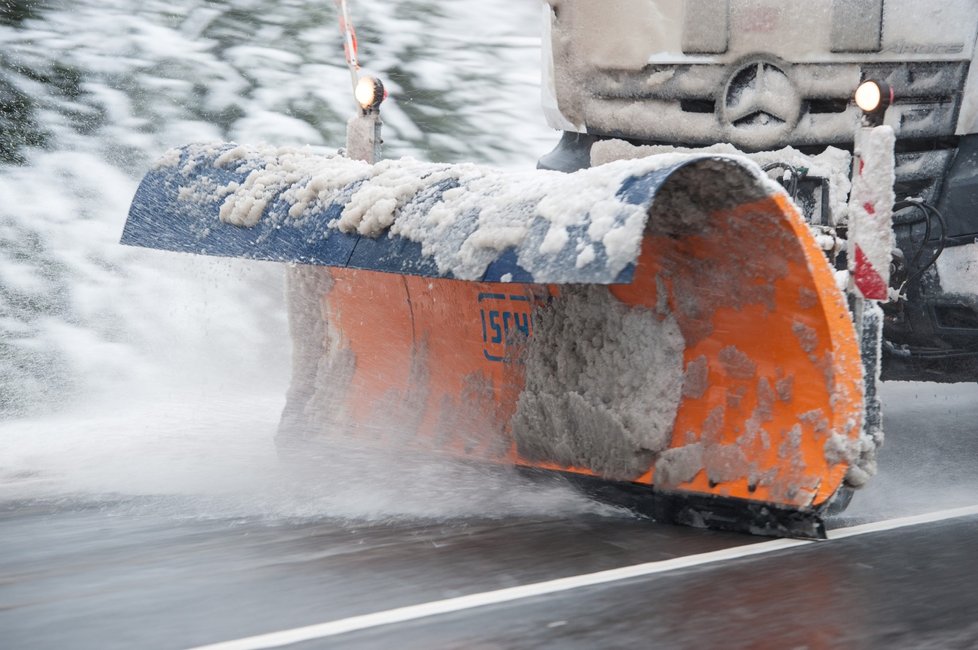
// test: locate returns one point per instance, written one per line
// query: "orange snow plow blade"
(715, 379)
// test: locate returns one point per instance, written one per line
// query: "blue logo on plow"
(503, 316)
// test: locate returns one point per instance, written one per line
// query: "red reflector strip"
(868, 280)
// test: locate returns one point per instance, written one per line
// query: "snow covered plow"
(666, 325)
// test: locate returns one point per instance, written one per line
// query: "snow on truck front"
(762, 75)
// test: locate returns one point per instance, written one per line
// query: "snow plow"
(601, 323)
(664, 324)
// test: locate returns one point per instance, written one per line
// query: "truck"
(765, 75)
(756, 211)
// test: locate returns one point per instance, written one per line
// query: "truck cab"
(772, 79)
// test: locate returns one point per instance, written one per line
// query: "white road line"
(902, 522)
(434, 608)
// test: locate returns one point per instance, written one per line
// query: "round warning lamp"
(369, 93)
(873, 96)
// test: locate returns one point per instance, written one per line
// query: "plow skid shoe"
(665, 328)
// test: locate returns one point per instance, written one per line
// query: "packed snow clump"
(957, 268)
(603, 384)
(833, 165)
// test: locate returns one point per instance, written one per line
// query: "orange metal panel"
(752, 295)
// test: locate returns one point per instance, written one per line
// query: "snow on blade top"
(580, 227)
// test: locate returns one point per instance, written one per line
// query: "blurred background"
(93, 91)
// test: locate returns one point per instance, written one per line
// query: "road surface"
(127, 572)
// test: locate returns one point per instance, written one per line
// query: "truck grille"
(763, 102)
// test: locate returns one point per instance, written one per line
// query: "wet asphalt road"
(104, 575)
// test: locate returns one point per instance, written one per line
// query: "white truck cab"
(763, 75)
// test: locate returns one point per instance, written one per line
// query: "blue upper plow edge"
(159, 219)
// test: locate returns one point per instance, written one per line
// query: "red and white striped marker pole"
(870, 249)
(349, 42)
(871, 239)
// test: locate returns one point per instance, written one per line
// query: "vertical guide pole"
(363, 130)
(870, 248)
(871, 238)
(363, 136)
(349, 42)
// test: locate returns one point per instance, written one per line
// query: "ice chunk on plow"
(665, 326)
